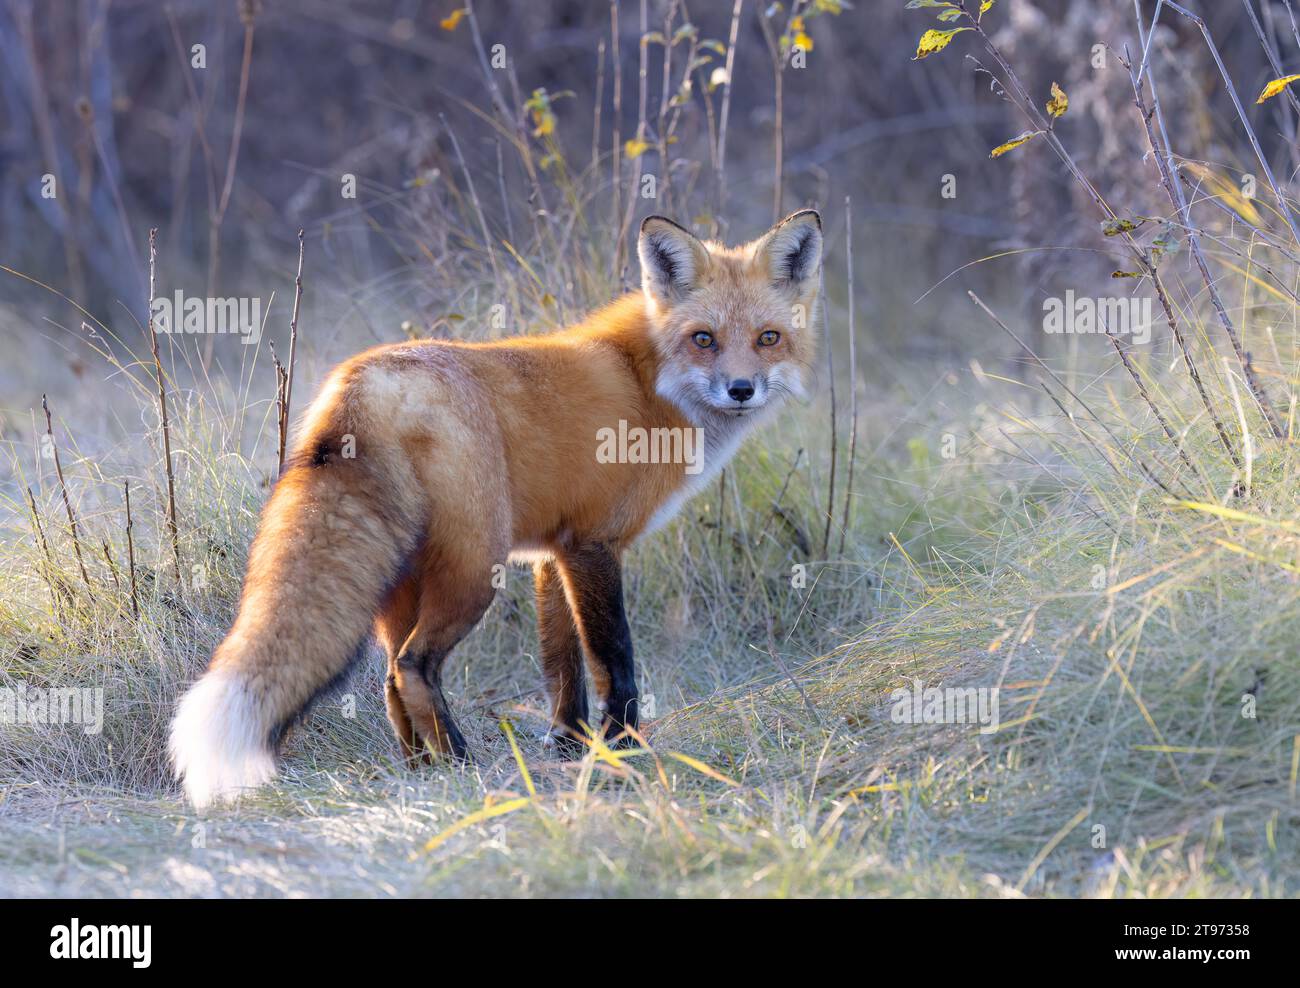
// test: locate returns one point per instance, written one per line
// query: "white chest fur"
(722, 437)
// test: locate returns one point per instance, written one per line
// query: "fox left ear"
(793, 250)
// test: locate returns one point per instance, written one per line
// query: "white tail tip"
(218, 744)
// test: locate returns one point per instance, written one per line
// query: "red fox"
(422, 465)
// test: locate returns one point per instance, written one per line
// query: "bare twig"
(1146, 45)
(67, 502)
(1025, 103)
(834, 440)
(248, 11)
(643, 94)
(293, 353)
(1283, 205)
(776, 503)
(45, 550)
(665, 94)
(281, 407)
(1269, 52)
(595, 113)
(172, 527)
(1175, 328)
(1122, 350)
(515, 121)
(473, 195)
(779, 54)
(616, 146)
(725, 112)
(1163, 155)
(853, 372)
(112, 569)
(1073, 394)
(130, 550)
(494, 90)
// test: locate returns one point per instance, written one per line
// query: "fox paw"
(560, 742)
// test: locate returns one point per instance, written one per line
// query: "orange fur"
(422, 465)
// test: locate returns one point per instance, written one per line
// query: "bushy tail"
(331, 542)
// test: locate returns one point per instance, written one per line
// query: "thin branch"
(853, 372)
(130, 550)
(1164, 159)
(67, 503)
(293, 353)
(45, 549)
(172, 527)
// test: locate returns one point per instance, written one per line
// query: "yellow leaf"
(1014, 143)
(635, 147)
(1224, 189)
(452, 20)
(1276, 86)
(985, 6)
(1112, 228)
(933, 41)
(802, 40)
(1059, 102)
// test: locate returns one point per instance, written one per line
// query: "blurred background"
(230, 125)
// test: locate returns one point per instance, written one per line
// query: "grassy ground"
(1123, 627)
(1125, 583)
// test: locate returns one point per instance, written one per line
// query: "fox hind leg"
(393, 628)
(562, 663)
(453, 594)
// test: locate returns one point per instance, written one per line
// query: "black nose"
(741, 390)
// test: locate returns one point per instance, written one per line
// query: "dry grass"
(796, 784)
(1132, 602)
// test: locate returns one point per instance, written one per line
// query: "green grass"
(774, 766)
(997, 540)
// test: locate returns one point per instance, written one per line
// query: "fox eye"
(703, 340)
(768, 337)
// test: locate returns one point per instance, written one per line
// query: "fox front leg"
(594, 580)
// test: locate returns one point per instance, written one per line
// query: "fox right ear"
(672, 259)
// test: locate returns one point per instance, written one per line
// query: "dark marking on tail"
(359, 650)
(278, 732)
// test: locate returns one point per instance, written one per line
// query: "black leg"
(593, 583)
(419, 685)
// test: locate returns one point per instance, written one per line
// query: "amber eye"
(703, 340)
(768, 337)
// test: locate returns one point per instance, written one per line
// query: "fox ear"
(672, 260)
(792, 250)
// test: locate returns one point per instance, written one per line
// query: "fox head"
(733, 326)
